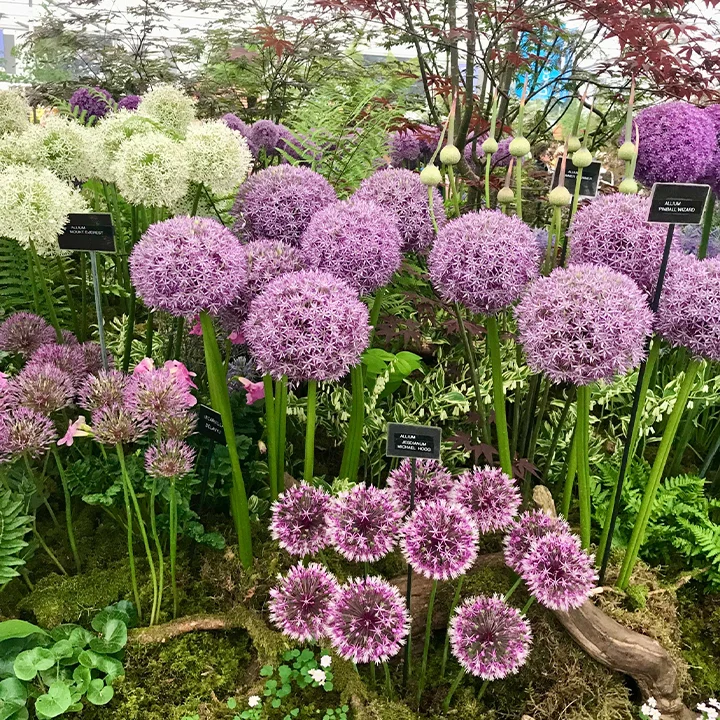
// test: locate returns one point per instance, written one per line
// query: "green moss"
(700, 623)
(637, 597)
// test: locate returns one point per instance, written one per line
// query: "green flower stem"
(68, 293)
(271, 435)
(432, 211)
(557, 432)
(388, 680)
(426, 646)
(353, 443)
(131, 552)
(576, 195)
(220, 400)
(570, 477)
(39, 489)
(454, 190)
(453, 605)
(46, 291)
(488, 160)
(196, 199)
(656, 473)
(310, 431)
(173, 544)
(179, 332)
(83, 298)
(376, 307)
(68, 508)
(149, 332)
(512, 590)
(453, 688)
(539, 420)
(129, 331)
(483, 688)
(528, 412)
(551, 247)
(49, 552)
(493, 340)
(707, 226)
(158, 546)
(582, 439)
(528, 605)
(33, 284)
(281, 390)
(518, 188)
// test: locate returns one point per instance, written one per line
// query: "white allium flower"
(170, 106)
(317, 675)
(14, 112)
(219, 157)
(254, 700)
(14, 152)
(34, 205)
(152, 169)
(325, 661)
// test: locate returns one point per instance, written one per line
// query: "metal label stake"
(98, 307)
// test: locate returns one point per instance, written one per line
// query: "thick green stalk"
(482, 690)
(454, 191)
(576, 195)
(518, 188)
(570, 477)
(46, 292)
(453, 688)
(33, 284)
(131, 552)
(149, 332)
(582, 440)
(281, 390)
(68, 508)
(539, 420)
(271, 435)
(376, 307)
(388, 680)
(552, 243)
(158, 546)
(179, 332)
(453, 605)
(493, 339)
(556, 434)
(310, 431)
(426, 646)
(353, 443)
(488, 160)
(707, 226)
(129, 331)
(173, 544)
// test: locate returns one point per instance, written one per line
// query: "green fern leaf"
(14, 525)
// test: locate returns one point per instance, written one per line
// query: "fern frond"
(14, 525)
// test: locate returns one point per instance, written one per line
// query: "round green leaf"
(99, 693)
(82, 678)
(62, 649)
(18, 629)
(55, 702)
(114, 637)
(29, 662)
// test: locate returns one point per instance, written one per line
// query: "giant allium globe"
(404, 148)
(433, 481)
(266, 260)
(308, 325)
(23, 333)
(278, 203)
(583, 323)
(490, 495)
(14, 113)
(91, 104)
(169, 106)
(299, 520)
(68, 358)
(186, 265)
(525, 531)
(484, 260)
(357, 241)
(401, 193)
(129, 102)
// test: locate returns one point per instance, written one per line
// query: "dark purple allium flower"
(440, 540)
(691, 237)
(23, 333)
(401, 193)
(364, 523)
(428, 136)
(484, 260)
(68, 338)
(368, 620)
(526, 531)
(95, 102)
(105, 389)
(129, 102)
(43, 387)
(264, 135)
(308, 325)
(299, 520)
(583, 323)
(92, 355)
(68, 358)
(278, 202)
(490, 495)
(489, 638)
(157, 395)
(357, 241)
(689, 312)
(169, 459)
(28, 432)
(558, 572)
(433, 481)
(501, 157)
(266, 260)
(713, 112)
(300, 604)
(404, 147)
(177, 427)
(185, 265)
(117, 424)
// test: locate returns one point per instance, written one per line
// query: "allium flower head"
(440, 540)
(364, 523)
(490, 495)
(185, 265)
(490, 639)
(526, 531)
(169, 106)
(299, 520)
(43, 387)
(117, 424)
(484, 260)
(28, 432)
(177, 427)
(583, 323)
(501, 157)
(278, 202)
(92, 355)
(308, 325)
(558, 571)
(169, 459)
(157, 396)
(23, 333)
(401, 193)
(266, 260)
(433, 481)
(14, 112)
(300, 603)
(7, 394)
(235, 123)
(129, 102)
(264, 135)
(357, 241)
(68, 358)
(691, 237)
(91, 104)
(404, 148)
(105, 389)
(368, 620)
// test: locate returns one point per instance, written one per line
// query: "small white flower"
(649, 709)
(326, 661)
(651, 702)
(715, 703)
(254, 700)
(317, 675)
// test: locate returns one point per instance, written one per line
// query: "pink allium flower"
(177, 427)
(401, 193)
(357, 241)
(157, 395)
(77, 428)
(484, 260)
(299, 521)
(300, 604)
(266, 260)
(169, 459)
(526, 531)
(368, 620)
(583, 323)
(102, 390)
(490, 495)
(404, 147)
(28, 432)
(43, 387)
(117, 425)
(7, 397)
(440, 540)
(558, 572)
(185, 265)
(23, 333)
(433, 481)
(308, 325)
(254, 391)
(68, 358)
(364, 523)
(489, 638)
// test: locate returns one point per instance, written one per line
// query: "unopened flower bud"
(450, 155)
(490, 146)
(582, 158)
(519, 147)
(627, 151)
(430, 175)
(573, 143)
(560, 196)
(505, 195)
(628, 187)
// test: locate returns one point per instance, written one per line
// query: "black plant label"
(210, 424)
(413, 441)
(678, 203)
(88, 231)
(589, 182)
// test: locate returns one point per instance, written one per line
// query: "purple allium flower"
(92, 354)
(266, 260)
(433, 481)
(484, 260)
(28, 432)
(68, 338)
(440, 540)
(5, 454)
(401, 193)
(404, 147)
(117, 424)
(501, 157)
(129, 102)
(490, 495)
(68, 358)
(357, 241)
(558, 572)
(677, 141)
(169, 459)
(368, 620)
(428, 136)
(235, 123)
(299, 605)
(43, 387)
(105, 389)
(157, 395)
(23, 333)
(185, 265)
(583, 323)
(7, 393)
(713, 112)
(177, 427)
(277, 203)
(489, 638)
(95, 102)
(364, 523)
(299, 520)
(691, 237)
(526, 531)
(689, 312)
(308, 325)
(264, 135)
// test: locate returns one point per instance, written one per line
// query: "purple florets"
(490, 495)
(266, 260)
(117, 424)
(308, 325)
(102, 390)
(526, 531)
(169, 459)
(157, 395)
(357, 241)
(264, 135)
(23, 333)
(68, 358)
(691, 237)
(235, 123)
(94, 102)
(299, 520)
(433, 481)
(404, 148)
(278, 203)
(484, 260)
(501, 157)
(364, 523)
(28, 432)
(300, 604)
(368, 620)
(440, 540)
(43, 387)
(401, 193)
(185, 265)
(583, 323)
(130, 102)
(490, 639)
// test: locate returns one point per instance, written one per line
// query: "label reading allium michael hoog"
(413, 441)
(88, 231)
(210, 424)
(678, 203)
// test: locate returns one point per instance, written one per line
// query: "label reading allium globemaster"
(678, 203)
(210, 424)
(88, 231)
(413, 441)
(589, 182)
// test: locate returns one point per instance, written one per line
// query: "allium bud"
(582, 158)
(628, 187)
(573, 144)
(430, 176)
(450, 155)
(519, 147)
(559, 196)
(490, 146)
(505, 195)
(627, 151)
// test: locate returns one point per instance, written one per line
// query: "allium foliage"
(170, 458)
(43, 387)
(28, 432)
(169, 106)
(526, 531)
(490, 495)
(433, 481)
(23, 333)
(299, 520)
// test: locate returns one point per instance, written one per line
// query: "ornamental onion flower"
(105, 389)
(129, 102)
(117, 424)
(526, 531)
(240, 126)
(91, 104)
(299, 520)
(68, 358)
(404, 148)
(157, 396)
(43, 387)
(266, 260)
(169, 106)
(28, 432)
(14, 112)
(433, 481)
(490, 495)
(170, 458)
(264, 135)
(23, 333)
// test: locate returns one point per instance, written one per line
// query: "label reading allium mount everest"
(88, 231)
(588, 183)
(678, 203)
(210, 424)
(413, 441)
